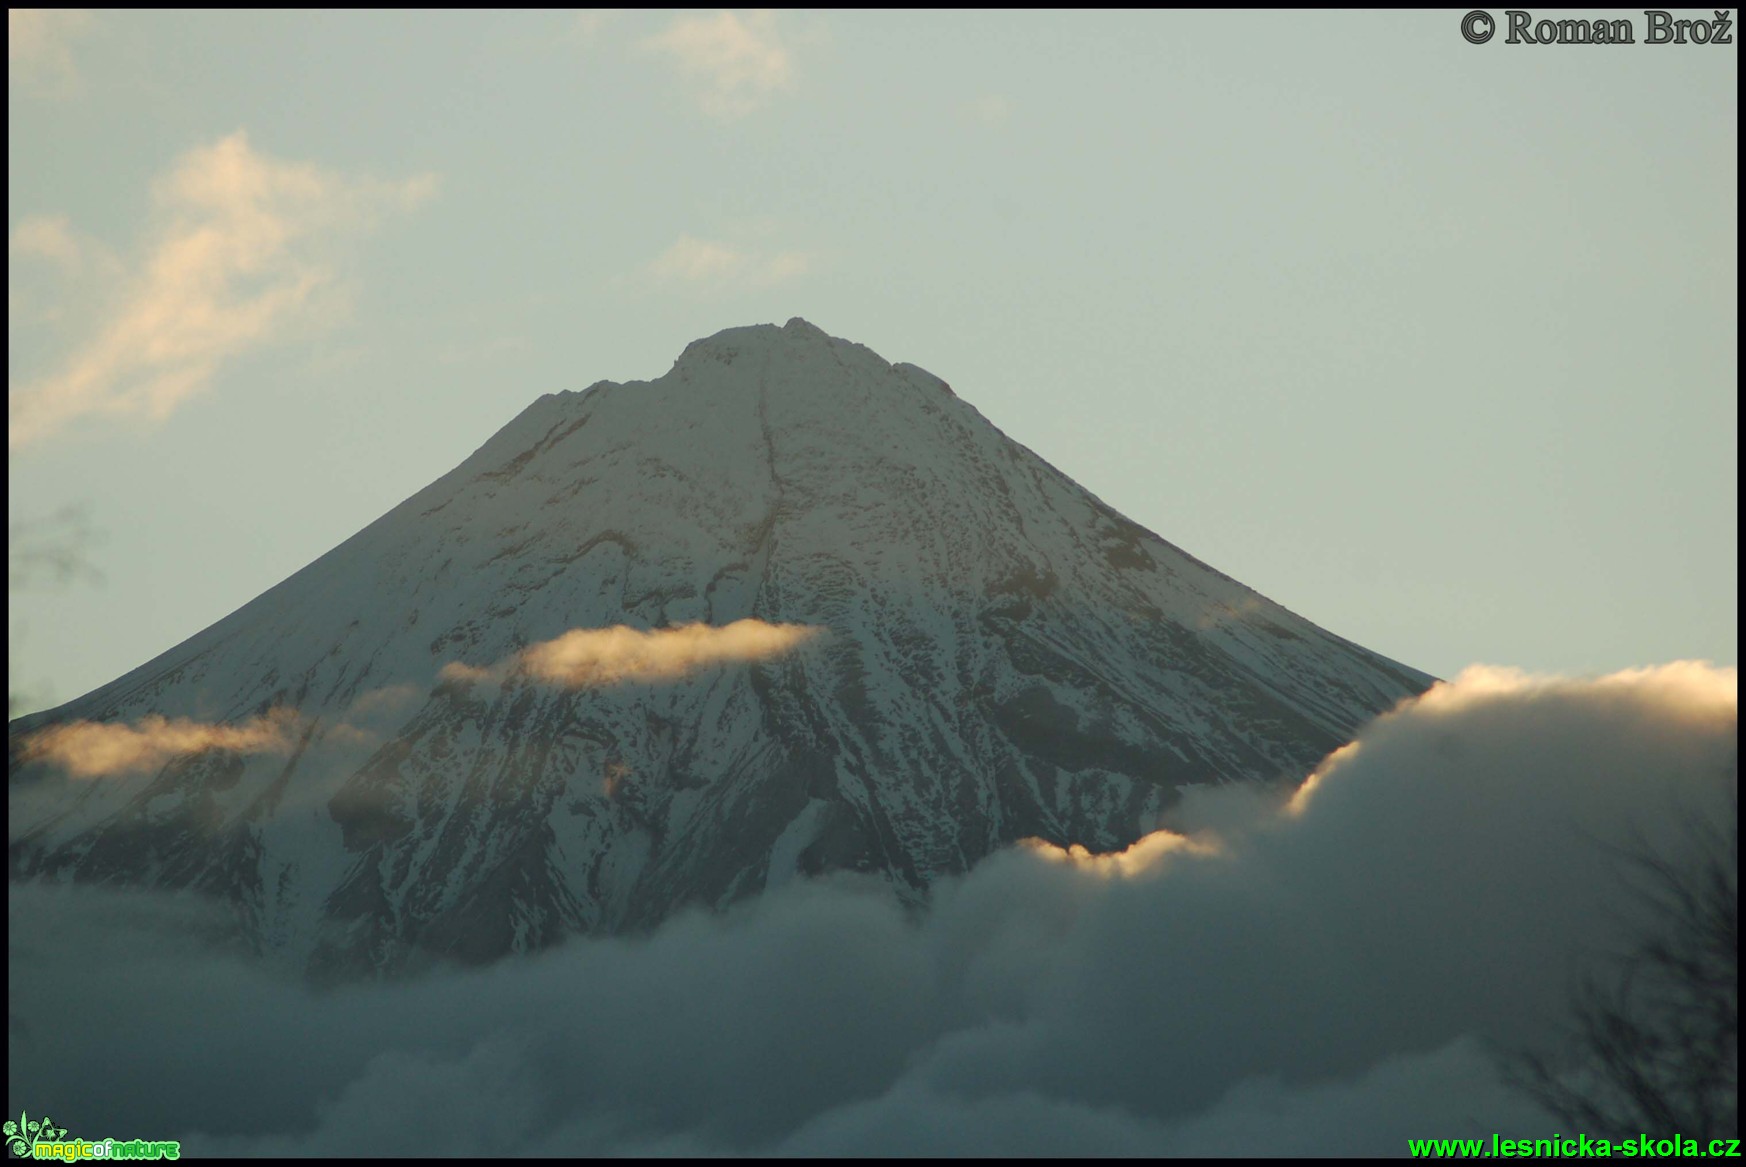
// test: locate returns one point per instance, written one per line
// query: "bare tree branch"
(52, 547)
(1656, 1039)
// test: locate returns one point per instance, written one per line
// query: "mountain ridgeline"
(787, 610)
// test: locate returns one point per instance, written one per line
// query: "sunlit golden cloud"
(243, 248)
(1300, 799)
(1482, 706)
(1688, 687)
(94, 749)
(1144, 855)
(1693, 693)
(585, 657)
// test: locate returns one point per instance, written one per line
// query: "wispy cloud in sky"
(56, 272)
(39, 51)
(989, 109)
(736, 61)
(706, 265)
(590, 22)
(242, 247)
(47, 237)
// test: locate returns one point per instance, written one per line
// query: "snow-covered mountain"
(957, 647)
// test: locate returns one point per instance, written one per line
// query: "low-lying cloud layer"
(585, 657)
(94, 749)
(1322, 972)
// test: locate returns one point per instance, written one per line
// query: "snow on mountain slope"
(998, 655)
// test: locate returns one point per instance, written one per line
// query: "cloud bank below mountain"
(1318, 971)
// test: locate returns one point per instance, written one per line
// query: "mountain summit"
(787, 610)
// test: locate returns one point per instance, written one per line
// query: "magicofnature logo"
(22, 1136)
(40, 1138)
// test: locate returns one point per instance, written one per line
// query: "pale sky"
(1433, 343)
